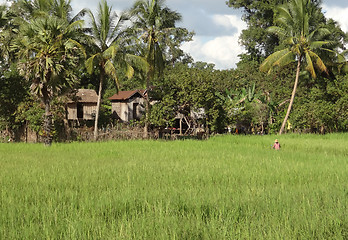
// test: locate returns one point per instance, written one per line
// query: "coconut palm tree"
(107, 44)
(48, 54)
(303, 43)
(153, 23)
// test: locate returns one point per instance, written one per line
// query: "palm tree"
(48, 55)
(106, 40)
(7, 34)
(303, 42)
(153, 23)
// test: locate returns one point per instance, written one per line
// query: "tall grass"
(228, 187)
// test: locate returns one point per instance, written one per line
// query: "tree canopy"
(47, 53)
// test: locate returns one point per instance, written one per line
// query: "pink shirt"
(276, 146)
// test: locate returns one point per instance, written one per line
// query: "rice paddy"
(227, 187)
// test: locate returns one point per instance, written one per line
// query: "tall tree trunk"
(47, 126)
(98, 104)
(147, 109)
(292, 95)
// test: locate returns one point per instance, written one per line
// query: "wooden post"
(180, 126)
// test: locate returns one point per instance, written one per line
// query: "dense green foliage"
(155, 25)
(259, 16)
(303, 43)
(305, 36)
(215, 189)
(148, 48)
(184, 89)
(106, 44)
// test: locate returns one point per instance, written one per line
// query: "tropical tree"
(258, 15)
(154, 24)
(48, 55)
(303, 43)
(107, 44)
(6, 33)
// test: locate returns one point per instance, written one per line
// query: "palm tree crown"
(107, 44)
(48, 54)
(302, 42)
(154, 23)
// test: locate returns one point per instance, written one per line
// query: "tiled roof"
(124, 95)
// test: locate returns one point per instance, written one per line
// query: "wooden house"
(83, 105)
(128, 105)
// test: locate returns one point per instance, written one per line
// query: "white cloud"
(223, 51)
(338, 14)
(229, 22)
(5, 2)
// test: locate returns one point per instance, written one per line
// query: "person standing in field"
(276, 145)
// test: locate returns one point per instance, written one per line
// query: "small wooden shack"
(128, 105)
(83, 105)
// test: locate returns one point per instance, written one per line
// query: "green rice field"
(227, 187)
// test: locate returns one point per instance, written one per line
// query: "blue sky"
(217, 26)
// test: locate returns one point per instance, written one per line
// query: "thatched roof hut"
(82, 105)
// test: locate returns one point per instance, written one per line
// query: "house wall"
(120, 110)
(89, 110)
(140, 108)
(124, 114)
(124, 110)
(72, 111)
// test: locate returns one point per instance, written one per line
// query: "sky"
(217, 26)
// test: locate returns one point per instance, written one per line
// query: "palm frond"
(79, 15)
(309, 64)
(320, 44)
(117, 30)
(111, 52)
(341, 58)
(95, 28)
(90, 63)
(281, 32)
(284, 60)
(138, 62)
(269, 62)
(318, 62)
(110, 70)
(71, 43)
(76, 25)
(284, 17)
(129, 71)
(319, 33)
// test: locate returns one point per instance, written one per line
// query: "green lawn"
(228, 187)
